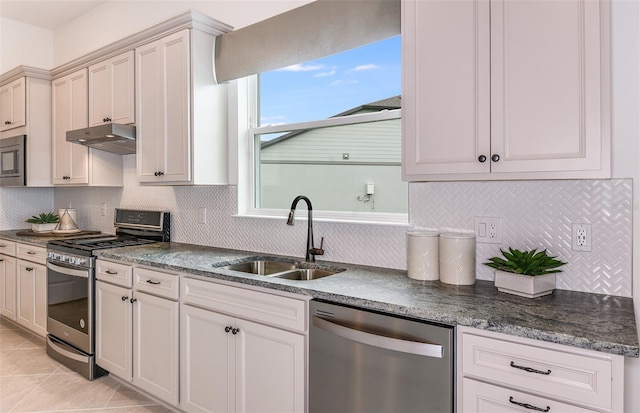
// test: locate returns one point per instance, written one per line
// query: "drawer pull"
(153, 282)
(529, 369)
(528, 406)
(111, 272)
(31, 252)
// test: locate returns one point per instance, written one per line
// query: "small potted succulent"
(45, 222)
(525, 273)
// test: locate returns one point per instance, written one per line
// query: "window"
(330, 129)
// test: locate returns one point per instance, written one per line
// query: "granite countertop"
(591, 321)
(37, 241)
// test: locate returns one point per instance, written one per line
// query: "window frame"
(247, 116)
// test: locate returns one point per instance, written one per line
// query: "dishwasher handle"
(389, 343)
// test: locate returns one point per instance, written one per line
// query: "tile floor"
(30, 381)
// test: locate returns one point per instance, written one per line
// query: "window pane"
(332, 166)
(329, 86)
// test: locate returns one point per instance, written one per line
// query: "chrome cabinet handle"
(528, 406)
(495, 157)
(153, 282)
(124, 298)
(482, 158)
(530, 369)
(389, 343)
(111, 272)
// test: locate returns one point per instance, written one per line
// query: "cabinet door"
(70, 112)
(446, 96)
(111, 91)
(261, 351)
(26, 287)
(155, 346)
(40, 300)
(546, 87)
(207, 361)
(479, 397)
(13, 109)
(163, 107)
(8, 287)
(113, 329)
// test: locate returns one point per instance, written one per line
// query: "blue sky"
(325, 87)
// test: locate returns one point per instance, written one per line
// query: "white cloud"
(364, 67)
(301, 68)
(325, 74)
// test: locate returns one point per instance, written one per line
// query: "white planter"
(43, 227)
(530, 286)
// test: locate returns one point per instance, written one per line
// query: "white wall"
(114, 20)
(23, 44)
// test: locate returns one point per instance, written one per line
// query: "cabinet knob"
(106, 119)
(495, 157)
(234, 331)
(7, 122)
(482, 158)
(29, 268)
(1, 260)
(227, 329)
(124, 298)
(133, 300)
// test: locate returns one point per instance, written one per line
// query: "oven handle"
(68, 271)
(389, 343)
(66, 353)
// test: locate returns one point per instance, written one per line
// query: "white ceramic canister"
(422, 255)
(458, 258)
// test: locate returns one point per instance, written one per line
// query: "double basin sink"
(282, 269)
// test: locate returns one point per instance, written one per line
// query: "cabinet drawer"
(486, 398)
(573, 377)
(253, 305)
(158, 283)
(114, 273)
(32, 253)
(7, 247)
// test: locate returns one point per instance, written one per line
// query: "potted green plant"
(45, 222)
(525, 273)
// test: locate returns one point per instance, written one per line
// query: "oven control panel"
(62, 257)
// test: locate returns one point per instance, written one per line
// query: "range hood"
(110, 137)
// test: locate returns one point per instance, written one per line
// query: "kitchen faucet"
(311, 250)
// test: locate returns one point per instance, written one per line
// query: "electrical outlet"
(488, 230)
(581, 237)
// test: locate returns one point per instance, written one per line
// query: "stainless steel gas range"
(71, 285)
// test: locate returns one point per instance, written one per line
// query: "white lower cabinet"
(502, 373)
(231, 364)
(8, 286)
(31, 288)
(137, 332)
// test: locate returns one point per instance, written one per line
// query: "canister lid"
(457, 235)
(423, 233)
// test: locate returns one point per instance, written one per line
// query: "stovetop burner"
(95, 243)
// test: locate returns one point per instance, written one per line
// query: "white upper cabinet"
(111, 90)
(181, 114)
(505, 90)
(75, 164)
(13, 109)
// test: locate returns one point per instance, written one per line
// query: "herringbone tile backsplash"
(536, 214)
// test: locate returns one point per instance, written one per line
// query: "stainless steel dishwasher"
(361, 361)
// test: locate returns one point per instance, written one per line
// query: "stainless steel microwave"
(12, 161)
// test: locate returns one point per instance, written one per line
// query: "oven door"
(12, 160)
(70, 305)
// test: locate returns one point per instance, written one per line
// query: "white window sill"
(391, 220)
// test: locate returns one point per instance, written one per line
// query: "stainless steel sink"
(305, 274)
(261, 267)
(282, 269)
